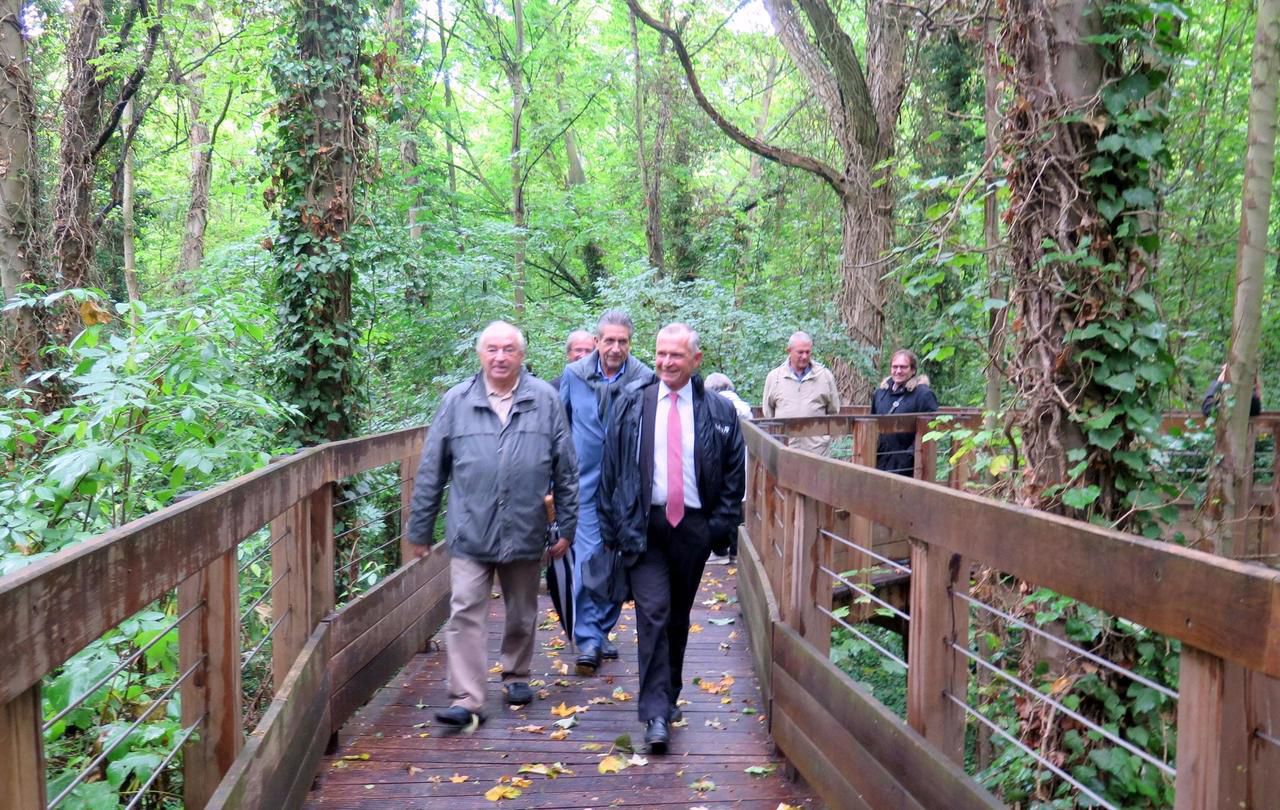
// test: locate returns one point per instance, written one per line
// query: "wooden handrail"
(55, 607)
(1225, 612)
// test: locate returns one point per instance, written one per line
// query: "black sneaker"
(518, 693)
(459, 718)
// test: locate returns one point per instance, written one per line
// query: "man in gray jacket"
(500, 436)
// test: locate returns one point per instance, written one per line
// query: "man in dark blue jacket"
(588, 389)
(670, 492)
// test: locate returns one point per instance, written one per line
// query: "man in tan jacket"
(801, 387)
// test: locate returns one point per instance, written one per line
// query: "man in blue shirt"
(588, 389)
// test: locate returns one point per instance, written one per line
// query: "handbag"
(604, 575)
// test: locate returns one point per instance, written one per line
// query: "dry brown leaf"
(531, 729)
(559, 734)
(497, 794)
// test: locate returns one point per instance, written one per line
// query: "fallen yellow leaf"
(610, 765)
(591, 747)
(497, 794)
(531, 729)
(353, 757)
(695, 628)
(559, 734)
(565, 711)
(539, 769)
(521, 783)
(458, 778)
(496, 668)
(620, 694)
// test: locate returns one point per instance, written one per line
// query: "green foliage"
(159, 404)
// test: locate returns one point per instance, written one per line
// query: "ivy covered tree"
(316, 168)
(1084, 136)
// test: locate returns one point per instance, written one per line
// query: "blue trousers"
(593, 618)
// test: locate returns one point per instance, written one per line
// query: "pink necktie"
(675, 464)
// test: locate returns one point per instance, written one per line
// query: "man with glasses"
(499, 437)
(903, 391)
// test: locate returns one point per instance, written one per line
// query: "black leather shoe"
(518, 693)
(674, 715)
(588, 661)
(656, 735)
(609, 652)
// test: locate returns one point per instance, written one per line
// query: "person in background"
(801, 387)
(1214, 394)
(671, 492)
(578, 345)
(722, 385)
(588, 389)
(499, 437)
(903, 391)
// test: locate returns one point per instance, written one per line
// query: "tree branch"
(767, 151)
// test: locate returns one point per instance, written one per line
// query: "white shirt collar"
(685, 393)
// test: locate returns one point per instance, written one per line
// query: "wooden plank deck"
(393, 754)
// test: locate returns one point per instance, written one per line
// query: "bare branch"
(767, 151)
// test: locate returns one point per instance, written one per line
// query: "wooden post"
(291, 567)
(212, 632)
(812, 589)
(926, 453)
(862, 531)
(1271, 534)
(1221, 761)
(408, 469)
(787, 567)
(938, 620)
(22, 753)
(320, 507)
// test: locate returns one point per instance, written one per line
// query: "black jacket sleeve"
(726, 513)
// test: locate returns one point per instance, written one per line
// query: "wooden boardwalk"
(393, 754)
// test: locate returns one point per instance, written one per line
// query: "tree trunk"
(650, 163)
(200, 174)
(398, 29)
(1228, 496)
(130, 258)
(320, 119)
(762, 120)
(20, 243)
(1058, 76)
(515, 78)
(73, 232)
(448, 102)
(991, 232)
(575, 175)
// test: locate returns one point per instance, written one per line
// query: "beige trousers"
(467, 635)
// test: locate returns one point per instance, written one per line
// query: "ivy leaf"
(1124, 381)
(1081, 497)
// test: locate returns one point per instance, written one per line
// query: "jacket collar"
(478, 393)
(909, 385)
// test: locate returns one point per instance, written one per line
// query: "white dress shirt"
(684, 406)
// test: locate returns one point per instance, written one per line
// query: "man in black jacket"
(670, 493)
(903, 391)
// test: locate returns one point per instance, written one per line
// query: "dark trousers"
(664, 582)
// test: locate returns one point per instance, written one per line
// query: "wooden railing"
(1257, 532)
(810, 518)
(326, 662)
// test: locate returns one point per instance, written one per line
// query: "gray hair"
(576, 335)
(798, 337)
(616, 317)
(718, 382)
(496, 327)
(682, 330)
